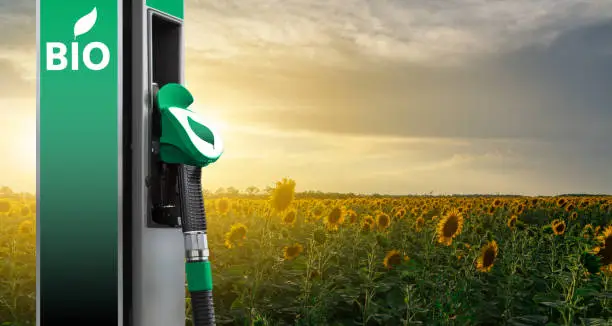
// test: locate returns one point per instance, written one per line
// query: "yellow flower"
(26, 227)
(235, 236)
(383, 221)
(558, 227)
(335, 218)
(420, 221)
(512, 221)
(393, 258)
(290, 217)
(292, 252)
(604, 251)
(352, 216)
(487, 257)
(367, 223)
(223, 206)
(449, 227)
(283, 194)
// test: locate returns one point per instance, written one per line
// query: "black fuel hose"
(197, 266)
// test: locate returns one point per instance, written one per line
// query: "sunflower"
(570, 207)
(292, 252)
(236, 234)
(449, 227)
(561, 202)
(383, 221)
(488, 254)
(400, 213)
(558, 227)
(573, 216)
(497, 202)
(223, 206)
(26, 227)
(520, 209)
(419, 223)
(290, 217)
(605, 250)
(393, 258)
(5, 206)
(491, 209)
(583, 204)
(283, 194)
(512, 221)
(335, 218)
(367, 223)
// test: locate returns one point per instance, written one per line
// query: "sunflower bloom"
(283, 195)
(419, 223)
(393, 258)
(450, 227)
(290, 217)
(558, 227)
(236, 235)
(335, 218)
(383, 221)
(561, 202)
(26, 227)
(605, 250)
(497, 202)
(292, 252)
(223, 206)
(368, 222)
(487, 257)
(512, 221)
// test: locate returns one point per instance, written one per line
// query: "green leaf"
(586, 292)
(528, 320)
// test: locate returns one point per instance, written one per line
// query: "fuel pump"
(120, 213)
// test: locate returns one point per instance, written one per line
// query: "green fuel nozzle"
(185, 138)
(188, 144)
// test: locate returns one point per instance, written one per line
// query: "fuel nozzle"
(189, 144)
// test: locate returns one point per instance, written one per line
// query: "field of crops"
(282, 259)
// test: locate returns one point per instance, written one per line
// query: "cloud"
(534, 92)
(423, 32)
(18, 21)
(13, 83)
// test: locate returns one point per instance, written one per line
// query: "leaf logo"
(85, 23)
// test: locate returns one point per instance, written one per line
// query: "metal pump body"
(169, 146)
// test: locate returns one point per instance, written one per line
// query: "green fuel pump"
(186, 145)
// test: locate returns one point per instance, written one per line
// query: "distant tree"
(220, 191)
(252, 190)
(233, 191)
(6, 191)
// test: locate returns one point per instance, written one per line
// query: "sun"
(22, 147)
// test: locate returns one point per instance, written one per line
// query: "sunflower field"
(297, 259)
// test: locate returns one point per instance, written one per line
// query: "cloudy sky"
(387, 96)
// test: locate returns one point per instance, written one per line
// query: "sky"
(376, 96)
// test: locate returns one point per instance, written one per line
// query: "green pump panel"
(121, 230)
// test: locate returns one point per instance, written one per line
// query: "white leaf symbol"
(85, 23)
